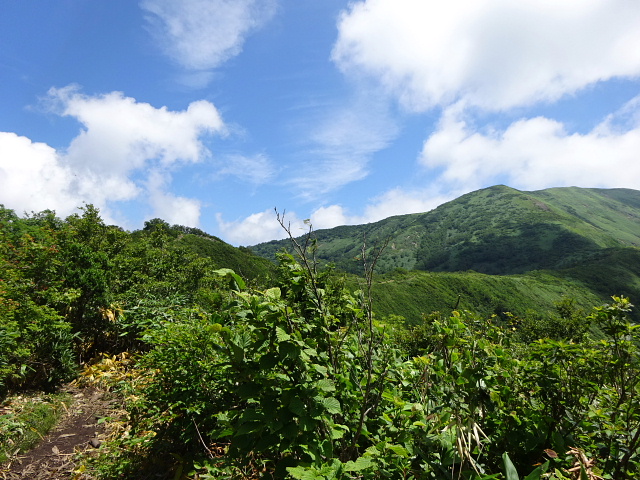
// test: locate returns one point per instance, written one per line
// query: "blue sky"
(213, 113)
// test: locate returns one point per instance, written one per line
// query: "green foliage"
(497, 230)
(301, 381)
(36, 342)
(318, 376)
(414, 294)
(586, 238)
(72, 289)
(281, 391)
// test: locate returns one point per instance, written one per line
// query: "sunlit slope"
(414, 294)
(497, 230)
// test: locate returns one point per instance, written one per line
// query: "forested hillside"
(296, 371)
(552, 243)
(497, 230)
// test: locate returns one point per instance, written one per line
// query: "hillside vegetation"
(497, 230)
(291, 370)
(551, 243)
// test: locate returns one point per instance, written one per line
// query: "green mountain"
(497, 230)
(570, 241)
(197, 242)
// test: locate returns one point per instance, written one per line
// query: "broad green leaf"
(326, 385)
(509, 470)
(320, 369)
(236, 281)
(399, 450)
(297, 407)
(373, 450)
(303, 473)
(360, 464)
(331, 405)
(272, 294)
(338, 431)
(281, 335)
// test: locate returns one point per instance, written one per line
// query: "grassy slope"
(575, 242)
(497, 230)
(413, 294)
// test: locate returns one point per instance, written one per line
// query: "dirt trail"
(78, 431)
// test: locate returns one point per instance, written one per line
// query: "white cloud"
(396, 201)
(342, 144)
(256, 169)
(32, 177)
(259, 227)
(329, 217)
(120, 144)
(263, 226)
(202, 34)
(494, 54)
(169, 207)
(121, 134)
(537, 153)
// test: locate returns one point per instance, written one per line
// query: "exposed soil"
(78, 431)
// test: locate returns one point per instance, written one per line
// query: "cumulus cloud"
(171, 208)
(121, 143)
(493, 54)
(120, 134)
(258, 227)
(396, 201)
(32, 178)
(537, 152)
(202, 34)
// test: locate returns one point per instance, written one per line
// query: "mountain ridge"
(496, 230)
(496, 250)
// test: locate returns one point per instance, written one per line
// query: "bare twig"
(209, 452)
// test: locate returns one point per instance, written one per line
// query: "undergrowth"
(25, 419)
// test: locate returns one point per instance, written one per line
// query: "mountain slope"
(497, 230)
(242, 260)
(496, 250)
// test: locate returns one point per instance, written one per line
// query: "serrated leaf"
(281, 335)
(360, 464)
(338, 431)
(372, 450)
(273, 293)
(303, 473)
(331, 405)
(326, 385)
(320, 369)
(399, 450)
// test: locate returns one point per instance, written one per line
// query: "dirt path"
(78, 431)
